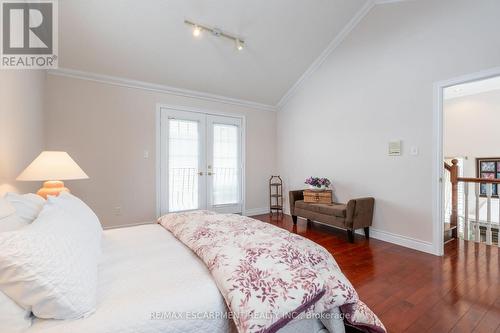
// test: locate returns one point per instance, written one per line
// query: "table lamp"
(52, 167)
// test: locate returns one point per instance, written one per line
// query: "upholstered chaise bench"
(356, 214)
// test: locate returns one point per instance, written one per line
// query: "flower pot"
(317, 189)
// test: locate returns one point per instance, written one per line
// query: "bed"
(195, 271)
(139, 289)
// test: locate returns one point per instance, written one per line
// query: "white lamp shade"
(52, 165)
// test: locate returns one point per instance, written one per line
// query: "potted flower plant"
(317, 184)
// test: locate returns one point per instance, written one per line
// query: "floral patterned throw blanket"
(267, 275)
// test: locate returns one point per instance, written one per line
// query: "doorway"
(469, 188)
(201, 162)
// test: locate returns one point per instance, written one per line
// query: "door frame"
(161, 192)
(438, 155)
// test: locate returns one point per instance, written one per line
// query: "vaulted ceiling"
(148, 41)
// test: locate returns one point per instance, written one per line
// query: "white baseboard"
(408, 242)
(256, 211)
(389, 237)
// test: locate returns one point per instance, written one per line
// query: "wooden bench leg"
(367, 232)
(294, 219)
(350, 236)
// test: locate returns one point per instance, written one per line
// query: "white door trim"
(438, 155)
(160, 165)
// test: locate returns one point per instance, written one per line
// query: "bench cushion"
(334, 209)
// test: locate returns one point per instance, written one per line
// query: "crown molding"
(134, 84)
(383, 2)
(329, 49)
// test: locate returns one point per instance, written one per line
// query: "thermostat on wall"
(395, 148)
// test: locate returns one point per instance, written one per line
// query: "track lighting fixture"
(198, 28)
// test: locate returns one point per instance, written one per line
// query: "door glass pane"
(226, 166)
(183, 157)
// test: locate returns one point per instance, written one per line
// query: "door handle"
(200, 173)
(210, 173)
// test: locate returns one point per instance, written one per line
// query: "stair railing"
(473, 228)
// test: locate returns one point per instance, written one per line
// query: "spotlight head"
(196, 31)
(240, 45)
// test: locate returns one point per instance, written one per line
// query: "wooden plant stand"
(275, 196)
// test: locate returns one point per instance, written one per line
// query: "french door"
(201, 162)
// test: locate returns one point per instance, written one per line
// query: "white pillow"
(12, 222)
(50, 265)
(27, 206)
(13, 318)
(9, 220)
(6, 208)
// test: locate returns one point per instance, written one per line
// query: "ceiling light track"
(199, 28)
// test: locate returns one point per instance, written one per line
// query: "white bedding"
(145, 270)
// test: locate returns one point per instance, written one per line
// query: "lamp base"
(52, 187)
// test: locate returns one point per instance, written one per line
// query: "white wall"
(378, 86)
(21, 126)
(471, 128)
(106, 129)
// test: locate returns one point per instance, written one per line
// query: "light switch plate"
(414, 150)
(395, 148)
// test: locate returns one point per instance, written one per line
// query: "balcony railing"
(184, 187)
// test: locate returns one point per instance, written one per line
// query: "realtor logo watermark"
(29, 34)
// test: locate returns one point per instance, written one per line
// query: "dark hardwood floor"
(412, 291)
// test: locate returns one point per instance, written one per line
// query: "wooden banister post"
(454, 196)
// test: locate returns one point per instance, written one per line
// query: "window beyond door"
(226, 164)
(183, 157)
